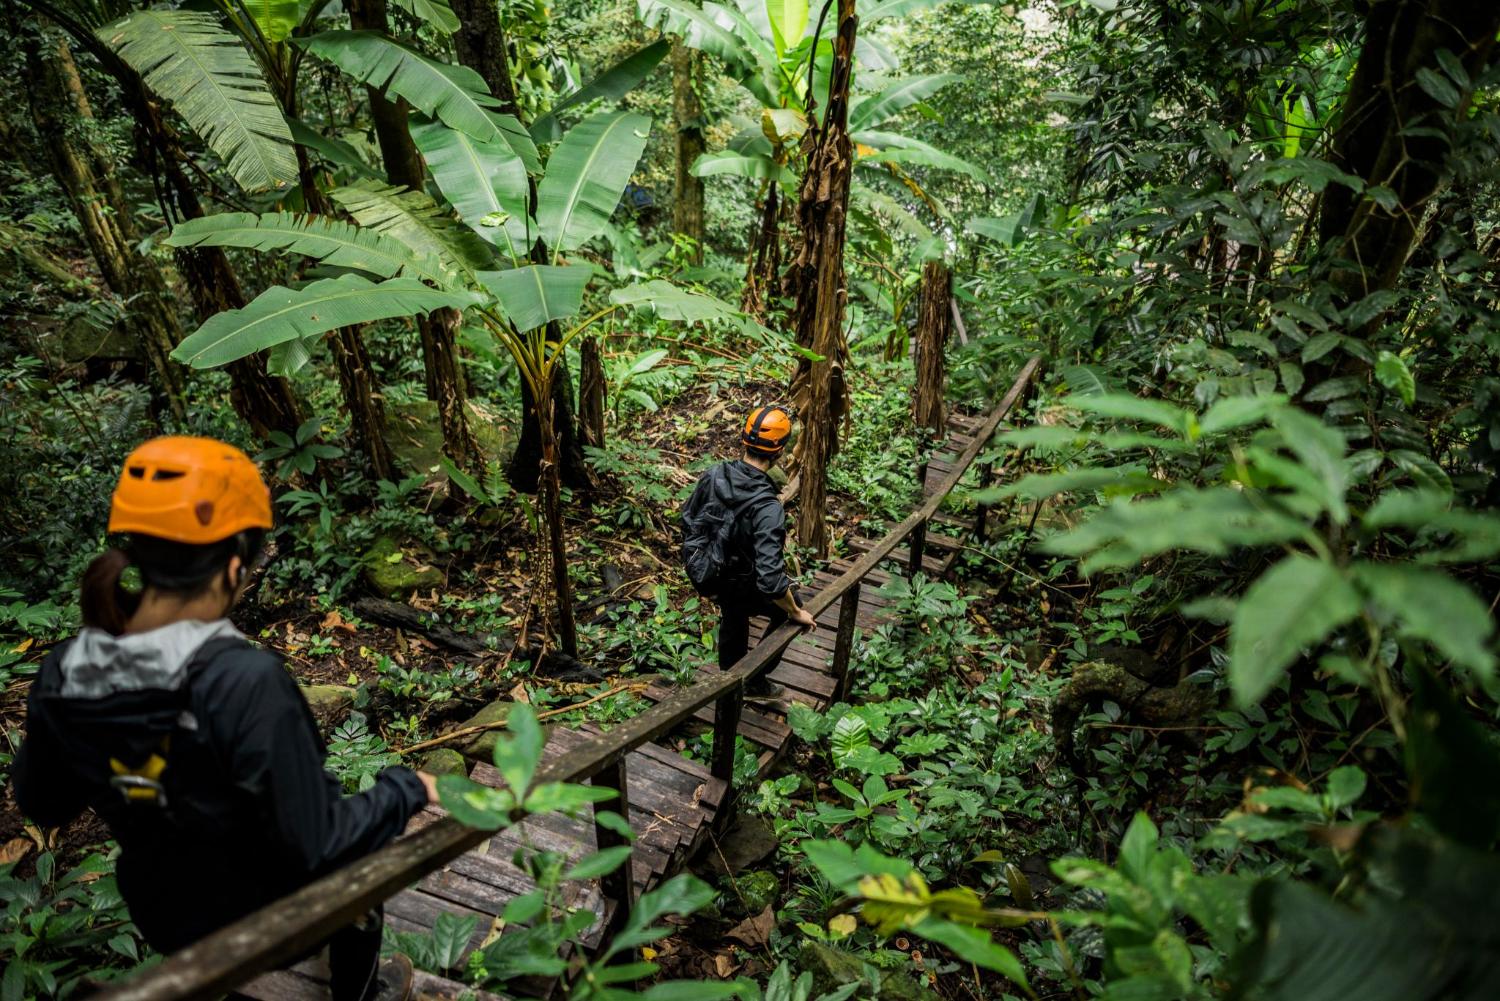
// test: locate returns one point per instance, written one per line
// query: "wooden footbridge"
(673, 803)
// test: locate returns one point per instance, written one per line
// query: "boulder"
(752, 893)
(482, 746)
(416, 438)
(832, 968)
(394, 570)
(328, 700)
(444, 761)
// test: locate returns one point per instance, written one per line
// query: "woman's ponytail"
(104, 602)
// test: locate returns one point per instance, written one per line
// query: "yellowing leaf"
(648, 953)
(842, 926)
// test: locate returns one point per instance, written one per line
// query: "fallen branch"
(472, 731)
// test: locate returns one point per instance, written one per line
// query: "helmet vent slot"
(168, 474)
(137, 472)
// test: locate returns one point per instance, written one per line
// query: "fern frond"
(201, 69)
(328, 241)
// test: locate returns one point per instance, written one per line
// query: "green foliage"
(356, 756)
(585, 175)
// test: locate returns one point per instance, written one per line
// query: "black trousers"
(735, 611)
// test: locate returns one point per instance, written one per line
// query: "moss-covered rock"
(444, 761)
(80, 340)
(394, 570)
(752, 893)
(328, 700)
(417, 440)
(482, 746)
(832, 968)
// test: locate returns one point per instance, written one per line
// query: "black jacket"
(250, 814)
(754, 560)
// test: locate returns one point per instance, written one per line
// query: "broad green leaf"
(415, 220)
(451, 93)
(928, 157)
(877, 109)
(788, 22)
(335, 151)
(290, 357)
(757, 166)
(475, 805)
(324, 239)
(204, 72)
(450, 937)
(485, 182)
(1408, 508)
(281, 314)
(586, 175)
(1138, 848)
(274, 18)
(1320, 448)
(565, 797)
(1129, 407)
(704, 29)
(901, 8)
(1128, 479)
(518, 753)
(1237, 411)
(1293, 605)
(1345, 786)
(538, 293)
(437, 13)
(1430, 605)
(1393, 374)
(599, 863)
(972, 945)
(676, 304)
(611, 85)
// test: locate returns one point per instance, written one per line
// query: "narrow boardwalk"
(673, 802)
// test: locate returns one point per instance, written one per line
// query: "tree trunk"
(556, 536)
(763, 264)
(687, 112)
(934, 321)
(445, 383)
(591, 393)
(1394, 133)
(58, 101)
(816, 280)
(480, 45)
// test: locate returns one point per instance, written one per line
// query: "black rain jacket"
(754, 560)
(250, 814)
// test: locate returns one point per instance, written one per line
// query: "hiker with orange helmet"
(734, 534)
(195, 747)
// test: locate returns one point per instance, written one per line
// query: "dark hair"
(177, 568)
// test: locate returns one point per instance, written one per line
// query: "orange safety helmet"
(190, 490)
(766, 430)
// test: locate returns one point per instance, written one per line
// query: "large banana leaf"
(275, 18)
(901, 8)
(417, 221)
(586, 175)
(882, 107)
(328, 241)
(679, 305)
(755, 165)
(538, 293)
(613, 84)
(890, 147)
(713, 30)
(788, 22)
(484, 181)
(335, 151)
(437, 13)
(188, 60)
(454, 94)
(280, 314)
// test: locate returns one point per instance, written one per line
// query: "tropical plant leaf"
(1293, 605)
(613, 84)
(280, 314)
(891, 148)
(756, 166)
(586, 175)
(713, 30)
(879, 108)
(788, 22)
(676, 304)
(416, 220)
(201, 69)
(901, 8)
(453, 94)
(437, 13)
(538, 293)
(290, 357)
(327, 241)
(1430, 605)
(336, 151)
(484, 181)
(275, 18)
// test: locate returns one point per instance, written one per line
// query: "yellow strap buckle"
(142, 784)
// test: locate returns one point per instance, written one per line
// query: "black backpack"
(705, 542)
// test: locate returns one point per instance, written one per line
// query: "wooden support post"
(917, 542)
(843, 644)
(726, 728)
(986, 480)
(619, 885)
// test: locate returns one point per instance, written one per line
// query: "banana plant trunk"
(592, 392)
(557, 542)
(443, 371)
(934, 322)
(57, 99)
(817, 283)
(763, 263)
(687, 111)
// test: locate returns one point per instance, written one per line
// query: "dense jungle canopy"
(1206, 708)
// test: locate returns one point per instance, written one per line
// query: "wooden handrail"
(289, 928)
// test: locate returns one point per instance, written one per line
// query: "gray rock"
(395, 571)
(749, 842)
(329, 700)
(482, 746)
(833, 968)
(444, 761)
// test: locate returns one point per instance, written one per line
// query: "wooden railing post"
(917, 542)
(986, 480)
(843, 643)
(619, 885)
(726, 728)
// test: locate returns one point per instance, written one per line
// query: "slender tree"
(817, 282)
(59, 105)
(687, 113)
(934, 323)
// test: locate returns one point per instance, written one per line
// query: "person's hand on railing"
(429, 782)
(802, 617)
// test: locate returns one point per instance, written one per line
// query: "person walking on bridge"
(734, 534)
(196, 748)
